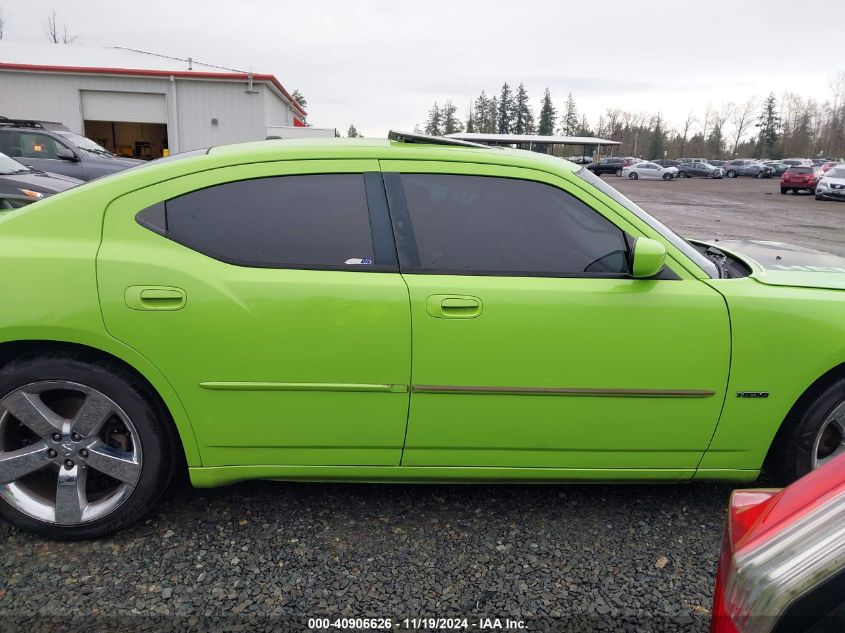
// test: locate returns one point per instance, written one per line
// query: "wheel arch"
(807, 396)
(159, 389)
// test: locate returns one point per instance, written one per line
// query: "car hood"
(829, 180)
(43, 182)
(780, 264)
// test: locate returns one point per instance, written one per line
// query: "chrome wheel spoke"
(22, 462)
(31, 411)
(93, 413)
(115, 463)
(71, 499)
(830, 441)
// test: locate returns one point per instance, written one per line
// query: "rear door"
(269, 295)
(532, 347)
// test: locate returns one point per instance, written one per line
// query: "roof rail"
(411, 137)
(41, 125)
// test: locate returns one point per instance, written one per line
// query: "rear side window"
(315, 221)
(800, 170)
(486, 225)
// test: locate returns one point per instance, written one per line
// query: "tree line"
(771, 127)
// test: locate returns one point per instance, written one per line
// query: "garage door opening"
(134, 140)
(132, 124)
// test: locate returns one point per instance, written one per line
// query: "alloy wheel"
(68, 453)
(830, 441)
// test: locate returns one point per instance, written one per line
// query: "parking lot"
(560, 557)
(740, 207)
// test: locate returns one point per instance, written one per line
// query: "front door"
(269, 296)
(532, 347)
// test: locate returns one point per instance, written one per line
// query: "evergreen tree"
(471, 117)
(449, 118)
(352, 132)
(658, 140)
(506, 110)
(569, 122)
(434, 124)
(523, 121)
(482, 112)
(301, 100)
(769, 125)
(491, 125)
(546, 122)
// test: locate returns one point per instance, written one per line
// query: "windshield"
(83, 142)
(676, 241)
(11, 166)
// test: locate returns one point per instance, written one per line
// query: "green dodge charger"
(408, 309)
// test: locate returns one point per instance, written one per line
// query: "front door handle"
(155, 298)
(453, 306)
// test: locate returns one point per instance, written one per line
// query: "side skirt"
(211, 476)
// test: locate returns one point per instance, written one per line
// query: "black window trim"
(377, 207)
(409, 258)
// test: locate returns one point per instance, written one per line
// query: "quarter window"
(486, 225)
(314, 221)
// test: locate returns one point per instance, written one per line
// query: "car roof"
(340, 148)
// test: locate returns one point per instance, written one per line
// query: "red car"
(798, 177)
(782, 567)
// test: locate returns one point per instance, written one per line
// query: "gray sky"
(381, 64)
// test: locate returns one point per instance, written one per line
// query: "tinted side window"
(315, 221)
(478, 224)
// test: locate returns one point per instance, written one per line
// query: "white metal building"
(139, 104)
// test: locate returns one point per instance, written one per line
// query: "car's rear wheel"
(633, 175)
(618, 172)
(813, 434)
(83, 453)
(731, 173)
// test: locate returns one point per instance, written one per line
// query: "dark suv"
(609, 166)
(51, 147)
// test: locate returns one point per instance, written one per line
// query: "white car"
(832, 185)
(649, 170)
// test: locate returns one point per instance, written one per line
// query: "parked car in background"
(779, 166)
(782, 565)
(797, 162)
(693, 160)
(580, 160)
(818, 162)
(612, 165)
(667, 162)
(20, 185)
(717, 163)
(747, 167)
(826, 167)
(42, 145)
(699, 170)
(649, 170)
(800, 178)
(832, 184)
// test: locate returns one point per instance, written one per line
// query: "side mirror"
(65, 154)
(649, 258)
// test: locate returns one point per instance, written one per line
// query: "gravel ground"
(740, 207)
(266, 556)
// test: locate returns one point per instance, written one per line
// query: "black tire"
(633, 175)
(154, 429)
(731, 173)
(618, 172)
(667, 176)
(791, 455)
(818, 197)
(784, 190)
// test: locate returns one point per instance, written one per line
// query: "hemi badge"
(752, 394)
